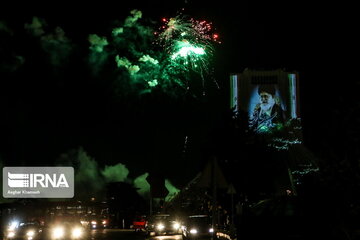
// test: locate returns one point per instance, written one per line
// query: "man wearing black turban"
(267, 114)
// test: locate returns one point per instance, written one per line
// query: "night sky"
(48, 110)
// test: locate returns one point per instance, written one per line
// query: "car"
(24, 231)
(67, 229)
(139, 223)
(163, 224)
(198, 226)
(95, 222)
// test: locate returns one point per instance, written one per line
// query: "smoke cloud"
(142, 185)
(97, 43)
(98, 55)
(172, 190)
(117, 173)
(58, 46)
(89, 175)
(55, 44)
(36, 26)
(131, 20)
(5, 28)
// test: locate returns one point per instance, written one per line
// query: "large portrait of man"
(267, 114)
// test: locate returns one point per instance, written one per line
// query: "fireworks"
(189, 55)
(204, 30)
(188, 43)
(186, 50)
(179, 27)
(172, 29)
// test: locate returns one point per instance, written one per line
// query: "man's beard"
(267, 106)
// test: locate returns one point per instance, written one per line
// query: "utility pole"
(151, 203)
(232, 192)
(214, 193)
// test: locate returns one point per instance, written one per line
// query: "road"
(123, 234)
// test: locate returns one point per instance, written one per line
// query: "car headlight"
(13, 225)
(193, 231)
(176, 225)
(160, 226)
(30, 233)
(76, 232)
(58, 232)
(11, 234)
(93, 222)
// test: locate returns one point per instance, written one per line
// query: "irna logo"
(38, 182)
(19, 180)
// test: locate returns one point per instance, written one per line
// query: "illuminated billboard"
(270, 98)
